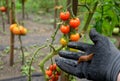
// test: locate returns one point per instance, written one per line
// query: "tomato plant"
(105, 14)
(69, 25)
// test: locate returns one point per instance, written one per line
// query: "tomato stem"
(32, 59)
(91, 13)
(3, 21)
(21, 47)
(50, 55)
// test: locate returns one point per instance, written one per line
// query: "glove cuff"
(114, 69)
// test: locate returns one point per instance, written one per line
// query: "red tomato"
(74, 23)
(58, 73)
(23, 30)
(74, 37)
(51, 67)
(64, 15)
(65, 29)
(3, 9)
(54, 66)
(54, 77)
(48, 72)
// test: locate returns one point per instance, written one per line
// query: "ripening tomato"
(65, 29)
(3, 9)
(12, 26)
(23, 30)
(64, 15)
(63, 41)
(16, 31)
(74, 23)
(74, 37)
(48, 73)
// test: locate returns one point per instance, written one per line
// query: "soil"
(40, 28)
(39, 32)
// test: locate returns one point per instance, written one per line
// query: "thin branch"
(50, 55)
(32, 59)
(86, 6)
(90, 17)
(21, 47)
(52, 47)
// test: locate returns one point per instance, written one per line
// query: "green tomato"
(116, 30)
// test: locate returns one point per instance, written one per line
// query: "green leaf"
(107, 28)
(98, 26)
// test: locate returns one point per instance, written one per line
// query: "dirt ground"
(40, 28)
(38, 32)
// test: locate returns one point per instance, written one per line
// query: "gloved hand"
(104, 66)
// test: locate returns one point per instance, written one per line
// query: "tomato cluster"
(69, 28)
(53, 72)
(3, 9)
(18, 29)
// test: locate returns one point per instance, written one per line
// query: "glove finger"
(79, 45)
(67, 65)
(71, 55)
(95, 36)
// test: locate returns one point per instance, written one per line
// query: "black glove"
(104, 66)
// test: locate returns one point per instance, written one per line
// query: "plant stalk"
(21, 47)
(23, 9)
(91, 13)
(50, 55)
(32, 59)
(12, 21)
(3, 21)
